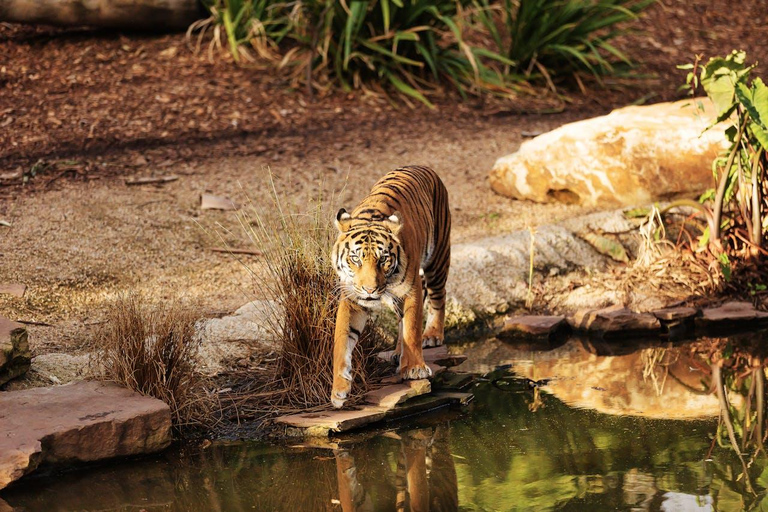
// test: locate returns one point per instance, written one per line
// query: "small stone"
(532, 326)
(15, 355)
(675, 314)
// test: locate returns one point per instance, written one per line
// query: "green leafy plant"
(260, 24)
(413, 46)
(562, 37)
(419, 47)
(737, 210)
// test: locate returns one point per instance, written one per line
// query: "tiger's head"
(368, 258)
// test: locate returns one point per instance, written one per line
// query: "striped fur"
(393, 249)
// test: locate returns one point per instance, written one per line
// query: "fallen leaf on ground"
(237, 251)
(211, 202)
(13, 289)
(151, 180)
(606, 246)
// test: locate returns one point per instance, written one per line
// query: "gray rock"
(235, 336)
(489, 276)
(79, 422)
(15, 356)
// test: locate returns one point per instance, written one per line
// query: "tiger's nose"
(369, 290)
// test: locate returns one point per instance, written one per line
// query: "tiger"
(393, 249)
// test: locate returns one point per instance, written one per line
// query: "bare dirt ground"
(82, 110)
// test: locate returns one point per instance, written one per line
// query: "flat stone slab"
(322, 424)
(395, 394)
(532, 326)
(732, 312)
(15, 356)
(78, 422)
(614, 320)
(435, 355)
(675, 314)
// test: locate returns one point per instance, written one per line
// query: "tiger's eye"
(354, 259)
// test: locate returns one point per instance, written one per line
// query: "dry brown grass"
(296, 273)
(152, 348)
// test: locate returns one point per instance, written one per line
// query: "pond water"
(572, 428)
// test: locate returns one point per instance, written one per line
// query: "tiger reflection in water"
(425, 479)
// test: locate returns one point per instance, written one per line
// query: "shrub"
(152, 348)
(561, 37)
(739, 204)
(416, 47)
(412, 45)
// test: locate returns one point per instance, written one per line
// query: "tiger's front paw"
(340, 392)
(415, 372)
(431, 341)
(433, 337)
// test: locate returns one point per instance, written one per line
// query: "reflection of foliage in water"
(561, 455)
(738, 366)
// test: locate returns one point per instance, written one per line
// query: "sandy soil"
(95, 108)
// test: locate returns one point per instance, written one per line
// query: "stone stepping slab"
(533, 327)
(78, 422)
(322, 424)
(435, 355)
(731, 314)
(617, 321)
(394, 394)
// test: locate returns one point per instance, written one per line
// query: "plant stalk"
(722, 185)
(757, 218)
(717, 376)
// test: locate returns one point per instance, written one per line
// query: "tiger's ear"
(342, 220)
(394, 223)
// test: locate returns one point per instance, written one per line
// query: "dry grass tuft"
(296, 273)
(153, 348)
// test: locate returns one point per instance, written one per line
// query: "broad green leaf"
(607, 246)
(760, 134)
(747, 98)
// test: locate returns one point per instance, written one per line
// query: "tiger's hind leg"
(435, 277)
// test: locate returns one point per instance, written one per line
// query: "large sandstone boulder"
(15, 356)
(634, 155)
(79, 422)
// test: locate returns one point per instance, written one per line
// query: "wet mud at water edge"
(581, 426)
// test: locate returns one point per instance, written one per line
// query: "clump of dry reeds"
(297, 274)
(153, 348)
